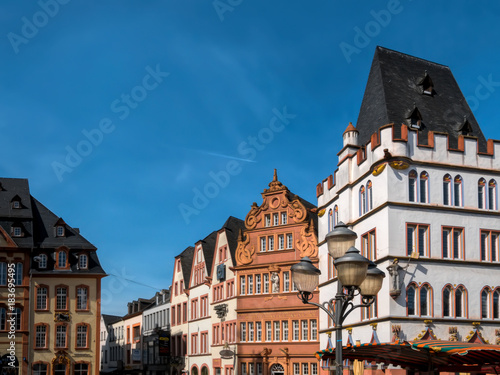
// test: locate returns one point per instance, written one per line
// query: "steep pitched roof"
(110, 319)
(395, 87)
(208, 246)
(186, 263)
(233, 226)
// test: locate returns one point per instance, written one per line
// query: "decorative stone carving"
(244, 252)
(307, 243)
(275, 279)
(396, 330)
(453, 331)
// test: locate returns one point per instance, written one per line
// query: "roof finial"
(275, 177)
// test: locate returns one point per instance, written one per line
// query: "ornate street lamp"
(355, 273)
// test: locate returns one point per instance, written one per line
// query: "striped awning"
(449, 356)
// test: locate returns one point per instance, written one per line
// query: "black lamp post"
(355, 273)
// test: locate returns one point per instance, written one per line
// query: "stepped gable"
(402, 89)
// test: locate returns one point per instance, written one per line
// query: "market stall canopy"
(447, 356)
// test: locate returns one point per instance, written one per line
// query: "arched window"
(424, 187)
(425, 300)
(330, 220)
(460, 302)
(336, 215)
(492, 195)
(61, 259)
(496, 304)
(485, 303)
(447, 190)
(204, 370)
(457, 192)
(410, 300)
(481, 196)
(369, 196)
(447, 293)
(362, 201)
(412, 186)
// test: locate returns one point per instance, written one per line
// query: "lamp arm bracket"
(349, 307)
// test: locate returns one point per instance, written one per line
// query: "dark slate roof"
(45, 237)
(233, 226)
(38, 227)
(186, 264)
(394, 89)
(110, 319)
(208, 248)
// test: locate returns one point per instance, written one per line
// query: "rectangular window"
(257, 284)
(242, 285)
(417, 239)
(453, 243)
(277, 331)
(250, 284)
(284, 218)
(251, 370)
(281, 242)
(41, 298)
(296, 369)
(314, 330)
(61, 336)
(489, 246)
(250, 332)
(305, 330)
(289, 241)
(368, 246)
(263, 244)
(270, 243)
(314, 369)
(259, 368)
(269, 332)
(41, 337)
(286, 281)
(81, 298)
(268, 220)
(276, 220)
(305, 369)
(258, 331)
(266, 283)
(243, 368)
(285, 330)
(295, 333)
(81, 336)
(61, 298)
(243, 332)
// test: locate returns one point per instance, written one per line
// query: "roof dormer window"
(427, 85)
(415, 119)
(17, 232)
(466, 128)
(60, 231)
(16, 202)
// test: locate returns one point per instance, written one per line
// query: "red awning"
(447, 356)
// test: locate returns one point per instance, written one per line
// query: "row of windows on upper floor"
(418, 191)
(62, 298)
(420, 301)
(18, 230)
(276, 242)
(42, 259)
(82, 332)
(452, 243)
(453, 191)
(276, 219)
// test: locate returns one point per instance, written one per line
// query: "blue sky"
(119, 112)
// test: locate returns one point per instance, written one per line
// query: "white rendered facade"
(396, 220)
